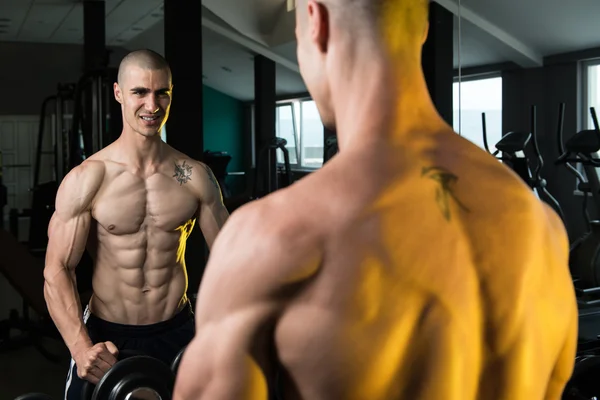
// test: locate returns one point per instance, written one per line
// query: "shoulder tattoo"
(444, 191)
(212, 177)
(183, 173)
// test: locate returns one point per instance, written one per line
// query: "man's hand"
(95, 361)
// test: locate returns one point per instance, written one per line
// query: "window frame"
(585, 101)
(298, 130)
(290, 103)
(584, 111)
(477, 77)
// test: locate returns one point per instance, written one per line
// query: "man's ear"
(318, 24)
(118, 93)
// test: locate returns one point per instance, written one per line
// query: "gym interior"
(520, 79)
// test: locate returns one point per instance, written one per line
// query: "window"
(592, 92)
(286, 129)
(299, 123)
(472, 98)
(591, 98)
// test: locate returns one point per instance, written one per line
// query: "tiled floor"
(25, 371)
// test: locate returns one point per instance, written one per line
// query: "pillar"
(94, 35)
(438, 59)
(183, 38)
(264, 118)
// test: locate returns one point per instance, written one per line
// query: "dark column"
(438, 59)
(183, 36)
(94, 35)
(264, 118)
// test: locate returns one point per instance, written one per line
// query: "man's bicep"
(67, 238)
(70, 224)
(212, 212)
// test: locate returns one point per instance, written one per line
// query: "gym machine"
(268, 156)
(85, 119)
(584, 260)
(97, 117)
(515, 142)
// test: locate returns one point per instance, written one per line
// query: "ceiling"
(234, 31)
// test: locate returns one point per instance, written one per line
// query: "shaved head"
(394, 19)
(145, 59)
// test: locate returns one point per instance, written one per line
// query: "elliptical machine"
(526, 142)
(584, 260)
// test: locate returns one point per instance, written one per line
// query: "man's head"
(333, 35)
(144, 91)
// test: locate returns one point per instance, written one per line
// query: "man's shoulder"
(87, 175)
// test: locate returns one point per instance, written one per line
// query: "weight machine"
(268, 156)
(85, 118)
(516, 142)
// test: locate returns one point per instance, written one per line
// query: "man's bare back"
(418, 285)
(416, 296)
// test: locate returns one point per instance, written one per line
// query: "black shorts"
(163, 340)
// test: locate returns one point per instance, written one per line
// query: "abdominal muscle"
(138, 278)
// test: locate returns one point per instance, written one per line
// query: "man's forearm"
(64, 306)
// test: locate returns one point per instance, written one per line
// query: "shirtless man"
(133, 204)
(413, 265)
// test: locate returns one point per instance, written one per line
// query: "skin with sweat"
(133, 205)
(414, 265)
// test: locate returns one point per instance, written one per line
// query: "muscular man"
(411, 266)
(133, 205)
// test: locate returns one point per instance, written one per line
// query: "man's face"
(145, 97)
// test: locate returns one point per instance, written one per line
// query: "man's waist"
(139, 326)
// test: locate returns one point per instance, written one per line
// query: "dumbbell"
(133, 376)
(176, 361)
(34, 396)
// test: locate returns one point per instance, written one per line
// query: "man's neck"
(140, 151)
(376, 105)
